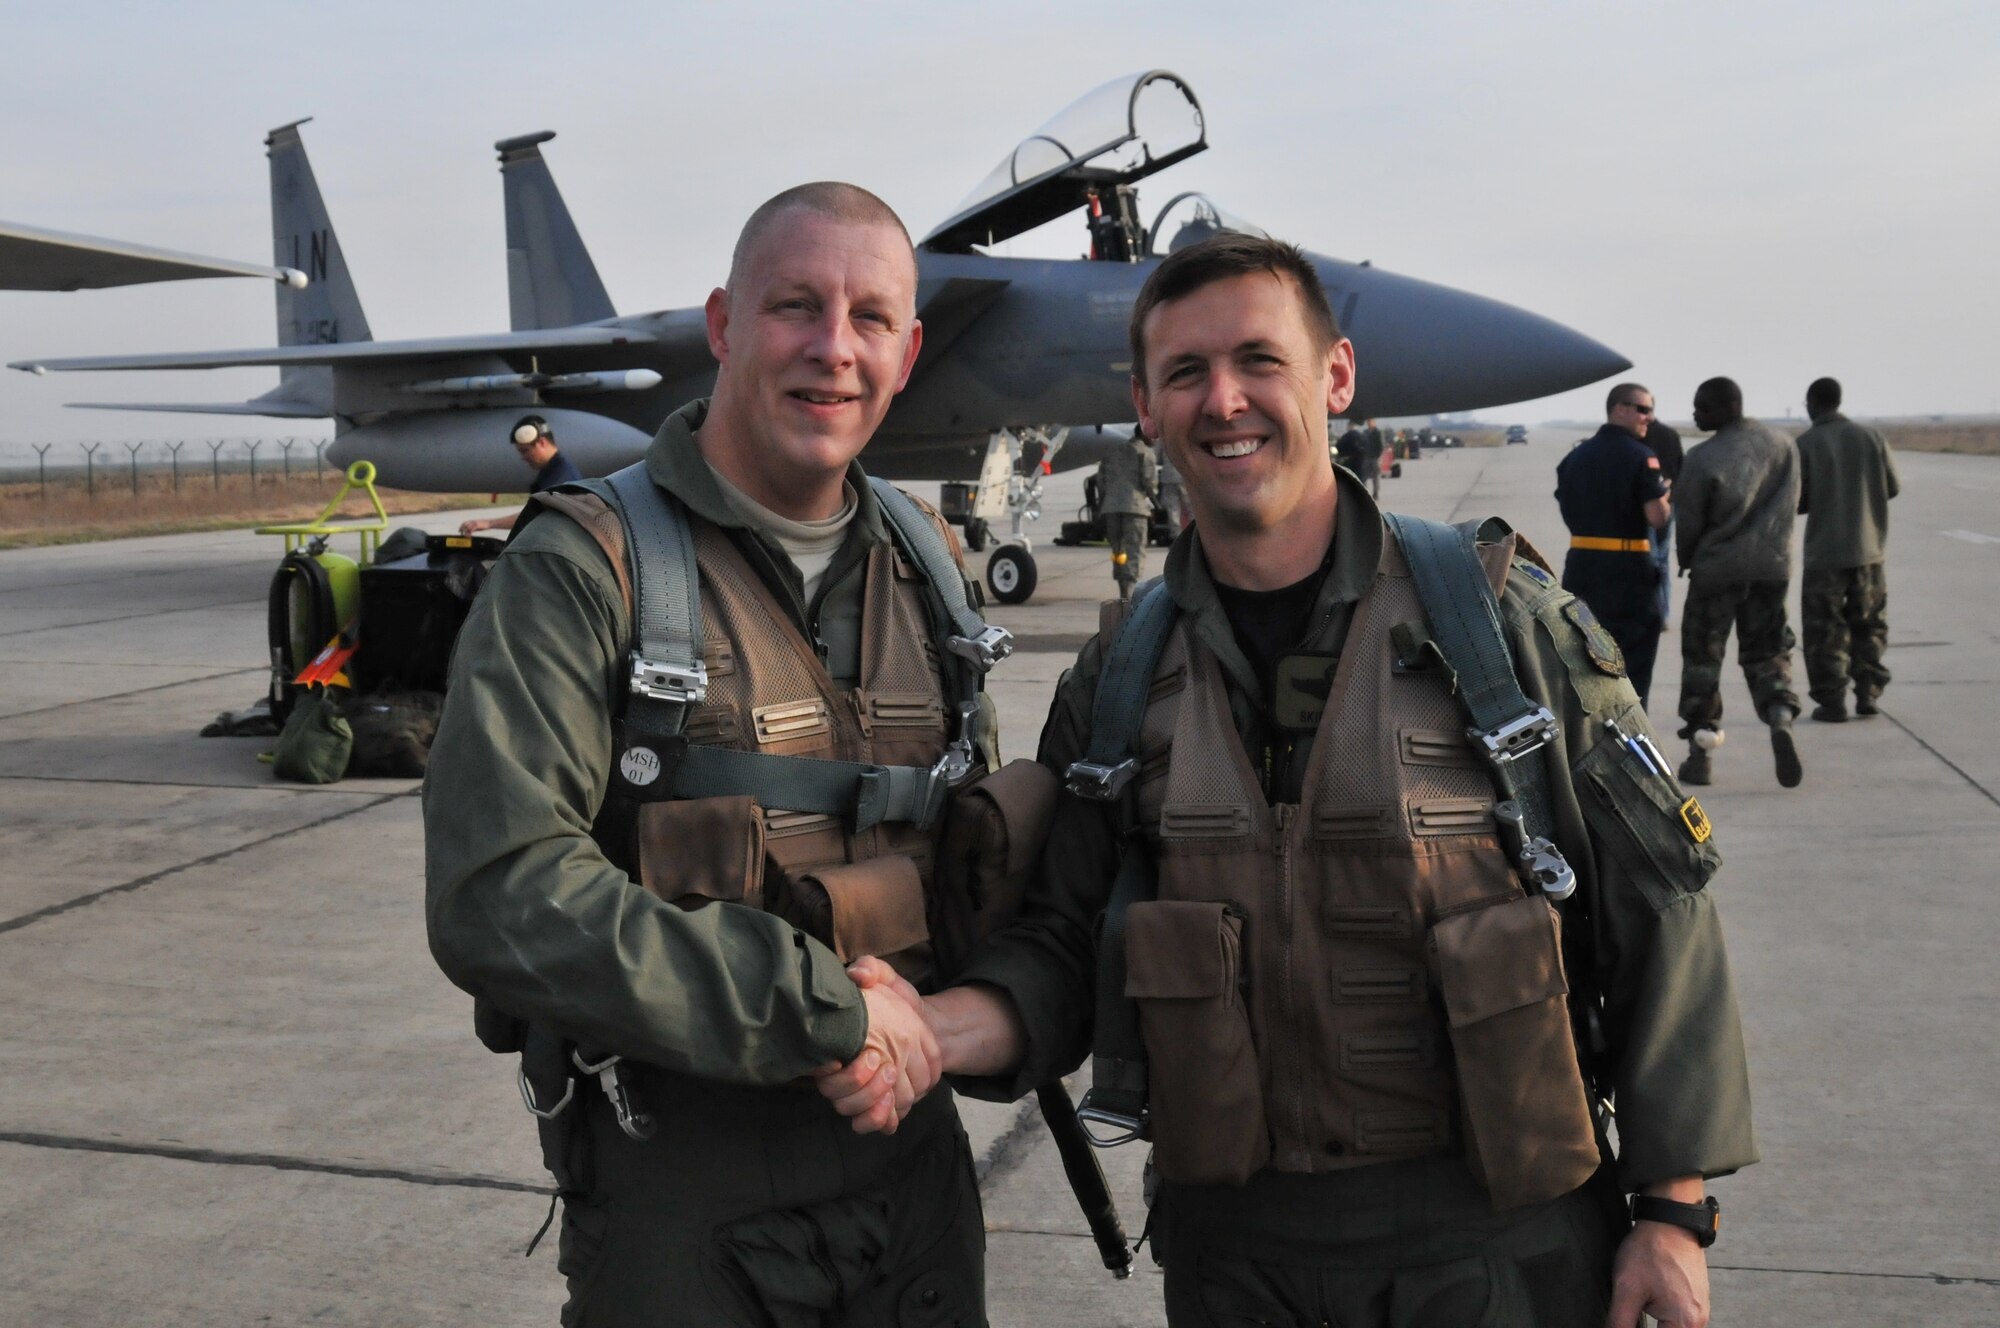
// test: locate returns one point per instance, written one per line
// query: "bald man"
(669, 962)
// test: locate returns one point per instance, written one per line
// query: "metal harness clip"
(617, 1085)
(1098, 782)
(1545, 865)
(1517, 737)
(673, 683)
(985, 650)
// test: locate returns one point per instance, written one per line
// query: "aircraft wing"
(281, 410)
(359, 352)
(34, 259)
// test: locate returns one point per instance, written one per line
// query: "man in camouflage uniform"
(1737, 499)
(1126, 482)
(1846, 479)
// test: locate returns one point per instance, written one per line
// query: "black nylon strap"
(1118, 1089)
(1464, 618)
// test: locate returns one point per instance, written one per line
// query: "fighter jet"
(1010, 344)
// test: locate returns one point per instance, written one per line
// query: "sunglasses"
(1633, 405)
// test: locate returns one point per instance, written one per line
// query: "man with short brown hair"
(1315, 843)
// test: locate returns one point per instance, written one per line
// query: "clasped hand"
(900, 1061)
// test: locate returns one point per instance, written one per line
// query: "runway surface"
(235, 1089)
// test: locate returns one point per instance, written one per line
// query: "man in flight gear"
(1127, 479)
(1738, 497)
(659, 821)
(1613, 495)
(1317, 955)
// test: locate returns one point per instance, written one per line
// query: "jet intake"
(610, 380)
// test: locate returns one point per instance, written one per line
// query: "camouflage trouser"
(1764, 643)
(1126, 534)
(1847, 628)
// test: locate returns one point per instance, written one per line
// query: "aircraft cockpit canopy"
(1189, 218)
(1119, 133)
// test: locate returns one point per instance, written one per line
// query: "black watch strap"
(1704, 1219)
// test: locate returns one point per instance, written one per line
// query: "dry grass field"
(1965, 439)
(69, 514)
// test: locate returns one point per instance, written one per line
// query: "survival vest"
(1375, 972)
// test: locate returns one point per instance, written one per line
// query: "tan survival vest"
(1360, 977)
(862, 891)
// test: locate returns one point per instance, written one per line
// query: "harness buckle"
(984, 650)
(674, 683)
(1518, 737)
(528, 1096)
(1099, 782)
(1129, 1123)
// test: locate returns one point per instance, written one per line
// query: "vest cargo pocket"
(1184, 964)
(1527, 1116)
(699, 849)
(993, 836)
(874, 907)
(1656, 832)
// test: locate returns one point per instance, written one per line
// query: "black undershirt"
(1268, 625)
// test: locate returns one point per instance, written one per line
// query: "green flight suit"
(754, 1202)
(1410, 1243)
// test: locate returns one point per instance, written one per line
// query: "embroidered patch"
(1535, 573)
(1300, 686)
(1597, 640)
(1696, 821)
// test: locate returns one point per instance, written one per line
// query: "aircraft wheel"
(977, 535)
(1010, 574)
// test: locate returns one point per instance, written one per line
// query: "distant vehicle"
(1517, 433)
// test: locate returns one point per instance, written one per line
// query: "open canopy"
(1122, 132)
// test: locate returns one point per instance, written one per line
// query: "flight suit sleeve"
(1642, 937)
(1046, 961)
(525, 912)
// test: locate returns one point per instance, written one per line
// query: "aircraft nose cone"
(1422, 348)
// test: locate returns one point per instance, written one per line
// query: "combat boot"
(1833, 712)
(1785, 748)
(1864, 706)
(1695, 770)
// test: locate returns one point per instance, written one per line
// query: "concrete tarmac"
(235, 1089)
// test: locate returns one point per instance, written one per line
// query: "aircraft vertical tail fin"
(328, 309)
(551, 281)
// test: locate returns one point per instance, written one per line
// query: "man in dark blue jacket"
(1613, 497)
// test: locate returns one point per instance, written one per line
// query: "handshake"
(913, 1042)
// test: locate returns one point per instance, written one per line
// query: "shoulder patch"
(1597, 640)
(1652, 463)
(1536, 574)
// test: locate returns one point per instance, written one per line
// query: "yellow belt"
(1610, 545)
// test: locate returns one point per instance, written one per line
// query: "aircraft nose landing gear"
(1011, 574)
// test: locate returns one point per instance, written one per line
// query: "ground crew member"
(1376, 444)
(1738, 497)
(1613, 497)
(536, 446)
(1846, 479)
(1127, 479)
(1312, 1103)
(1352, 451)
(753, 1200)
(1665, 440)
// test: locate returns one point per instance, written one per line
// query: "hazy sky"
(1768, 190)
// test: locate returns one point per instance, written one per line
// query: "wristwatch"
(1704, 1219)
